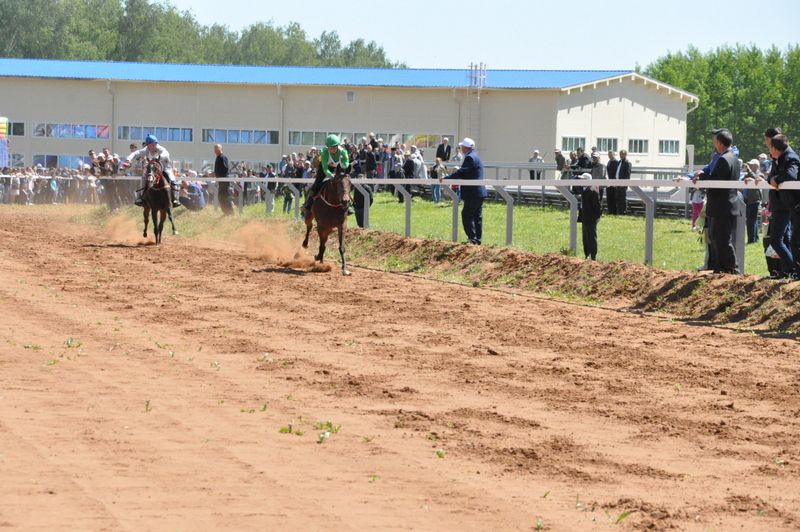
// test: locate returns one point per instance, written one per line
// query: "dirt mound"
(746, 300)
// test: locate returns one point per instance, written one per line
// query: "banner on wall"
(3, 141)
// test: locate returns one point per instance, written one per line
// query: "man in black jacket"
(623, 172)
(221, 169)
(611, 173)
(443, 150)
(589, 215)
(721, 204)
(785, 219)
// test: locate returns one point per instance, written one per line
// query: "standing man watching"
(444, 150)
(561, 162)
(785, 205)
(536, 159)
(623, 172)
(611, 173)
(472, 196)
(721, 206)
(221, 168)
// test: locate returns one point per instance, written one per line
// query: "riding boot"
(306, 208)
(174, 190)
(138, 201)
(312, 193)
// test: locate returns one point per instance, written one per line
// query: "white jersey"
(161, 154)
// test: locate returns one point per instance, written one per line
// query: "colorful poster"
(3, 141)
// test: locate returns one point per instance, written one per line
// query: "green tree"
(745, 89)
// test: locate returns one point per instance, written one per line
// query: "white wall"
(625, 110)
(513, 122)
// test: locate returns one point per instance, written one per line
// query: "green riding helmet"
(332, 141)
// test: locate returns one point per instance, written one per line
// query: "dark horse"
(156, 199)
(329, 209)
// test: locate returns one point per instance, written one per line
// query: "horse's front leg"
(156, 227)
(323, 239)
(171, 220)
(309, 224)
(146, 212)
(340, 229)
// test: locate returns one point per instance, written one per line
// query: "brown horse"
(156, 199)
(329, 209)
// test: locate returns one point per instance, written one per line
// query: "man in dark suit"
(472, 196)
(721, 204)
(444, 150)
(623, 172)
(611, 173)
(784, 205)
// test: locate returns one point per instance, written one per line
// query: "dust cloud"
(123, 229)
(274, 244)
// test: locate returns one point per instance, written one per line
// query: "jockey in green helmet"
(331, 157)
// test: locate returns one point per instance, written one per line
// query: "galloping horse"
(329, 209)
(156, 199)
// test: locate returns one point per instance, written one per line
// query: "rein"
(325, 201)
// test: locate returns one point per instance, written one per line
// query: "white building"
(61, 109)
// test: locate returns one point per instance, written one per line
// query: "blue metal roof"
(294, 75)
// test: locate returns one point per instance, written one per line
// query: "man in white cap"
(472, 196)
(536, 159)
(588, 216)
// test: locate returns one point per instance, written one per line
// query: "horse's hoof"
(305, 245)
(174, 232)
(346, 273)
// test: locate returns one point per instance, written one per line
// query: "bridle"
(339, 177)
(154, 173)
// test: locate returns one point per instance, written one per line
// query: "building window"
(569, 144)
(16, 129)
(17, 160)
(317, 138)
(240, 136)
(606, 144)
(60, 161)
(350, 97)
(638, 145)
(164, 134)
(72, 131)
(669, 147)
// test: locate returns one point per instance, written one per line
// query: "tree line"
(743, 88)
(156, 31)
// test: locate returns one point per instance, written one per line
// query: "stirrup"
(139, 202)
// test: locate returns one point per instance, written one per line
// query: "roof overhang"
(635, 78)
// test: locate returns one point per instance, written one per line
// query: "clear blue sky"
(575, 34)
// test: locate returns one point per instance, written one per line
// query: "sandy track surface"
(144, 388)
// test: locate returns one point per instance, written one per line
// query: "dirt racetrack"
(181, 388)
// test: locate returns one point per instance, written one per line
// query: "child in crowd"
(697, 199)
